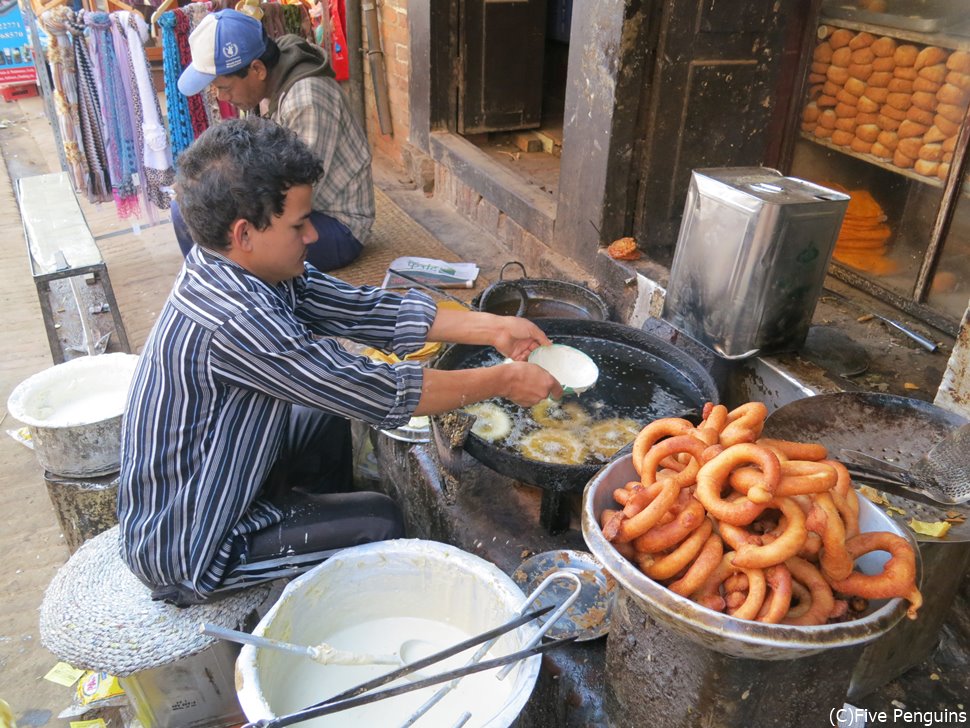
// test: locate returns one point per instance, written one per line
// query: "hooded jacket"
(303, 96)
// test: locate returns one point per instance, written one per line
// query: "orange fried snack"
(864, 236)
(624, 249)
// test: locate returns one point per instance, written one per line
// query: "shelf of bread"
(942, 39)
(872, 159)
(895, 104)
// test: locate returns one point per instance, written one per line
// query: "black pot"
(636, 368)
(535, 298)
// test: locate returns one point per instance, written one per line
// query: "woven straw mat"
(97, 616)
(396, 234)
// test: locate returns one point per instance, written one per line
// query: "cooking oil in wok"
(623, 391)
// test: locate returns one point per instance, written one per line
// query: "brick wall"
(393, 20)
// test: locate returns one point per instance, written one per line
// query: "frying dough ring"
(699, 571)
(491, 421)
(650, 516)
(744, 424)
(551, 414)
(822, 599)
(834, 558)
(709, 594)
(665, 566)
(553, 445)
(606, 437)
(788, 542)
(796, 450)
(777, 605)
(687, 518)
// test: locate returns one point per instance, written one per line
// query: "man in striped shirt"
(235, 463)
(294, 81)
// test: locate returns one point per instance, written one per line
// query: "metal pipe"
(378, 72)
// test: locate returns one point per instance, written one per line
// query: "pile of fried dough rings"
(759, 529)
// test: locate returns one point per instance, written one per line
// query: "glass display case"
(884, 118)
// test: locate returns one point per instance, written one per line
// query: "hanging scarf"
(89, 113)
(131, 111)
(122, 158)
(293, 20)
(60, 56)
(176, 105)
(156, 162)
(210, 101)
(200, 121)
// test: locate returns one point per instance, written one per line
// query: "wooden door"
(717, 93)
(501, 47)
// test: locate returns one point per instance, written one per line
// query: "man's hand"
(514, 337)
(529, 384)
(517, 337)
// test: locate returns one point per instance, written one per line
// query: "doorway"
(511, 90)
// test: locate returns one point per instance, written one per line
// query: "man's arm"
(513, 336)
(523, 383)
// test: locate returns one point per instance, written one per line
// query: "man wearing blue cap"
(231, 51)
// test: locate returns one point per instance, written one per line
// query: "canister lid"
(768, 185)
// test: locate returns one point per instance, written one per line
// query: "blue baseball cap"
(224, 42)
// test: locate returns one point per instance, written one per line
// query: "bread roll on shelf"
(898, 103)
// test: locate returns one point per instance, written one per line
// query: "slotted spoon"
(942, 475)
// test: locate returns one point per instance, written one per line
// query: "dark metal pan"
(885, 426)
(636, 368)
(535, 298)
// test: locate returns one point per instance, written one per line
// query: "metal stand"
(71, 277)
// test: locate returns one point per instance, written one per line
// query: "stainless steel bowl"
(720, 632)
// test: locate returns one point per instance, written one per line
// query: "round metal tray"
(589, 616)
(410, 432)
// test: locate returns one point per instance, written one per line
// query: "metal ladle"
(409, 651)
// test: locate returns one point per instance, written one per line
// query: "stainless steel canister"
(751, 258)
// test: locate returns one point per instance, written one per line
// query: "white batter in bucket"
(82, 391)
(371, 599)
(311, 683)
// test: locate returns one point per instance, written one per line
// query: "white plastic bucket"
(376, 584)
(73, 411)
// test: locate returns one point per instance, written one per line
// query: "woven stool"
(97, 616)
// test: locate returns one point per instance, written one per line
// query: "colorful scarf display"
(120, 142)
(89, 112)
(60, 56)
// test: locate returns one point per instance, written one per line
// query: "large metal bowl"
(717, 631)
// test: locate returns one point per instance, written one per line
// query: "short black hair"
(270, 57)
(240, 169)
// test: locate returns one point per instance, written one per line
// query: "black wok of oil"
(626, 388)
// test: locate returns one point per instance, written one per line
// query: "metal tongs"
(356, 696)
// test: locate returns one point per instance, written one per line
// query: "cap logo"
(230, 50)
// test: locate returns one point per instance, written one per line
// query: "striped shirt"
(210, 401)
(316, 109)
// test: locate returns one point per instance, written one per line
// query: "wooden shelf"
(943, 40)
(873, 159)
